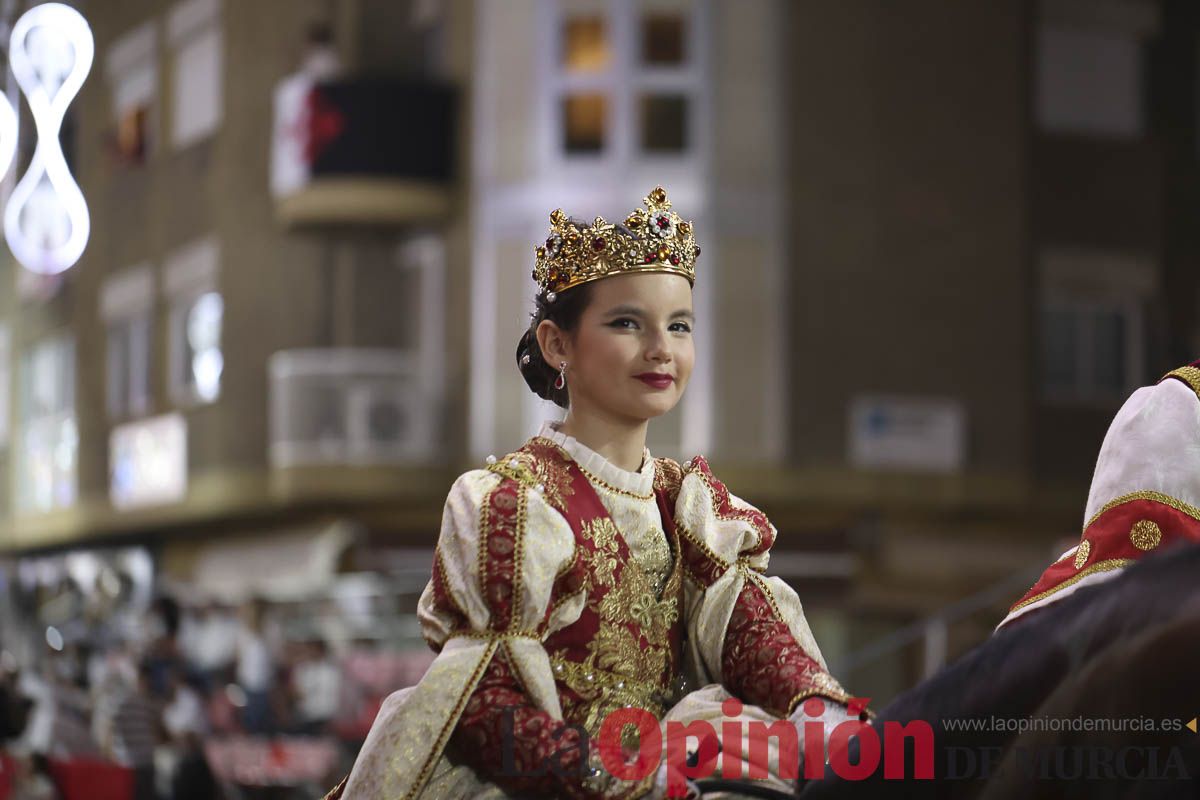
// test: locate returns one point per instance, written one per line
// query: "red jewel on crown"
(663, 225)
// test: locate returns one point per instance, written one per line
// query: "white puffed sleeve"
(500, 548)
(726, 548)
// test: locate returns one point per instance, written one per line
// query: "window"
(1089, 325)
(585, 123)
(196, 317)
(127, 306)
(197, 62)
(128, 367)
(46, 471)
(586, 44)
(1089, 349)
(132, 72)
(1089, 82)
(624, 79)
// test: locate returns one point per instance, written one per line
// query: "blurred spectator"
(135, 733)
(58, 724)
(209, 641)
(186, 725)
(255, 669)
(317, 684)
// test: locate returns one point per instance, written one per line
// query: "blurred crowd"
(198, 702)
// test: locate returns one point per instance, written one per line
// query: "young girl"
(580, 576)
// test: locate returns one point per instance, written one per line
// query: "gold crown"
(652, 239)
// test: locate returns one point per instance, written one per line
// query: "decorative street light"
(46, 221)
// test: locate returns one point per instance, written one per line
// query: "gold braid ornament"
(652, 239)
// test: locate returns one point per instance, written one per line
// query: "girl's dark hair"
(564, 312)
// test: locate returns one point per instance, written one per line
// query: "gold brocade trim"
(701, 546)
(592, 477)
(668, 476)
(608, 487)
(514, 620)
(498, 636)
(483, 527)
(550, 478)
(1099, 566)
(508, 655)
(336, 792)
(1157, 497)
(825, 686)
(758, 581)
(1189, 375)
(451, 722)
(439, 564)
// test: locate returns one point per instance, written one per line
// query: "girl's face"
(635, 325)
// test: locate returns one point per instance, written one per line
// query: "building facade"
(941, 245)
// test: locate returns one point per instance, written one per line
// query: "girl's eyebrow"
(634, 311)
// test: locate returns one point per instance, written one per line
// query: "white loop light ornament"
(8, 135)
(46, 221)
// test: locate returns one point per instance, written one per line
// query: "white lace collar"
(640, 482)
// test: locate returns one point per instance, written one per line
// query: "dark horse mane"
(1125, 649)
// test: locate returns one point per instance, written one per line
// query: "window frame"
(624, 82)
(189, 273)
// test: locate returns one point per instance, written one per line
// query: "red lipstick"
(656, 379)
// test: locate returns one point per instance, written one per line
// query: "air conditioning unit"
(352, 407)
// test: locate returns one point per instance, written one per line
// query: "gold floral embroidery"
(604, 560)
(617, 648)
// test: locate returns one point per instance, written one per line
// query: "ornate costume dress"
(1145, 493)
(565, 588)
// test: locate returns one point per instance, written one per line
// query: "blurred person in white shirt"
(255, 669)
(211, 641)
(186, 724)
(317, 685)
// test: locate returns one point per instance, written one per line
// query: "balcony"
(362, 152)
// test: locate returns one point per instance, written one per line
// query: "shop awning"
(279, 566)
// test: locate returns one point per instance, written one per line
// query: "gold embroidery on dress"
(615, 655)
(552, 475)
(602, 562)
(668, 476)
